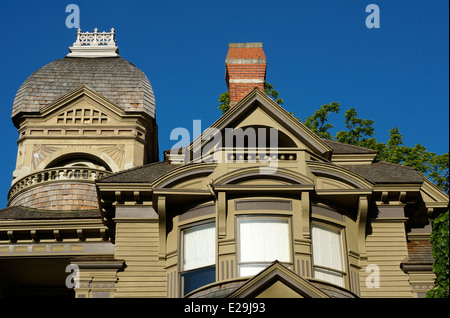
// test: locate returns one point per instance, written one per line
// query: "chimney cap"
(245, 45)
(245, 53)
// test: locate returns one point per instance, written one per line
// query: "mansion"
(276, 211)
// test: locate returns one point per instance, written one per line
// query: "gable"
(83, 111)
(82, 107)
(279, 290)
(278, 281)
(258, 110)
(258, 118)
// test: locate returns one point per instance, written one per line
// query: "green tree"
(439, 239)
(360, 132)
(224, 102)
(269, 90)
(318, 122)
(224, 98)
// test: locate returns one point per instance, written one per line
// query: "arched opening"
(255, 136)
(79, 160)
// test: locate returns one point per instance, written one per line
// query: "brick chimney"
(245, 69)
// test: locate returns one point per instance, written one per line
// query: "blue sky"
(318, 52)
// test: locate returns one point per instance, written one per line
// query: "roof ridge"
(349, 145)
(132, 169)
(396, 164)
(44, 210)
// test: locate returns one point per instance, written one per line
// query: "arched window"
(79, 161)
(256, 136)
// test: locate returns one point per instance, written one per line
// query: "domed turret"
(114, 78)
(81, 117)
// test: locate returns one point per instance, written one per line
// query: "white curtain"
(329, 276)
(327, 251)
(199, 246)
(262, 240)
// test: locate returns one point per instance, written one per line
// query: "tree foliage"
(439, 239)
(360, 132)
(224, 102)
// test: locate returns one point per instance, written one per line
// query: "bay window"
(262, 240)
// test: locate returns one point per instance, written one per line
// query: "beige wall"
(137, 242)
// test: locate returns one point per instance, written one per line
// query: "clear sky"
(318, 52)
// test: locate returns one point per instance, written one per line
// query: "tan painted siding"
(386, 247)
(144, 275)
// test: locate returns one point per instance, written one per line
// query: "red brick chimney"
(245, 69)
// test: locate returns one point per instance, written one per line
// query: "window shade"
(262, 241)
(327, 252)
(327, 249)
(199, 246)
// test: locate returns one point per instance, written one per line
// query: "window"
(82, 116)
(198, 257)
(262, 240)
(328, 264)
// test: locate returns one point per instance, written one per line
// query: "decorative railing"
(56, 174)
(253, 155)
(94, 44)
(95, 38)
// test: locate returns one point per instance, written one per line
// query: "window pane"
(199, 246)
(262, 241)
(327, 250)
(198, 278)
(251, 269)
(329, 276)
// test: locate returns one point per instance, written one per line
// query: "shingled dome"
(112, 77)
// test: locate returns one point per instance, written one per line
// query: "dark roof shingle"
(114, 78)
(26, 213)
(386, 172)
(340, 148)
(142, 174)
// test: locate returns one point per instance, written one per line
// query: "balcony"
(63, 188)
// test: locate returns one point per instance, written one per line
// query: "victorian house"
(256, 206)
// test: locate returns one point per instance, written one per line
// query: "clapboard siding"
(144, 275)
(387, 247)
